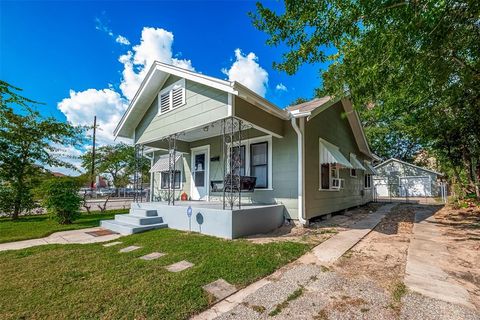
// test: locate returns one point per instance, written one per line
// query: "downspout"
(301, 211)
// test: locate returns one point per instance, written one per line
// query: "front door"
(200, 168)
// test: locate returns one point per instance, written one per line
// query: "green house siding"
(332, 126)
(202, 105)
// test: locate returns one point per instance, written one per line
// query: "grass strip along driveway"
(92, 281)
(32, 227)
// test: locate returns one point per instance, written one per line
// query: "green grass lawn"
(93, 282)
(31, 227)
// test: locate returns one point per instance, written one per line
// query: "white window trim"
(169, 89)
(247, 144)
(356, 173)
(205, 148)
(337, 176)
(181, 180)
(371, 181)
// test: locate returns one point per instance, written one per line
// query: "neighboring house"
(398, 178)
(244, 164)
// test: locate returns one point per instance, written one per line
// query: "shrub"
(61, 199)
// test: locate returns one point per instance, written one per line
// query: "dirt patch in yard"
(319, 229)
(461, 231)
(381, 256)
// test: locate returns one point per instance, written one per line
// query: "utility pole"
(92, 183)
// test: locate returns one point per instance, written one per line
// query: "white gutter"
(301, 209)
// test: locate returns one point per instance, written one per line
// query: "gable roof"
(313, 108)
(154, 81)
(408, 164)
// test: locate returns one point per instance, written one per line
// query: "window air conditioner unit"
(337, 183)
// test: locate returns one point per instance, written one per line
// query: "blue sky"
(62, 51)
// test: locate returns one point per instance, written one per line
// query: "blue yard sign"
(189, 211)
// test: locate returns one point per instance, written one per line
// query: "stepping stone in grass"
(179, 266)
(130, 248)
(111, 244)
(152, 256)
(220, 288)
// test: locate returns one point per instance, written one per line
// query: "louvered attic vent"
(172, 97)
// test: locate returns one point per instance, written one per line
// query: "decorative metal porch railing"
(232, 162)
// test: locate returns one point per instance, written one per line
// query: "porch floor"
(215, 205)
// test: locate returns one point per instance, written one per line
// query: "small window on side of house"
(329, 177)
(353, 172)
(367, 181)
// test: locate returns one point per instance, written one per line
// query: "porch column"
(232, 160)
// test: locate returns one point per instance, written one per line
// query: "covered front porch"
(224, 161)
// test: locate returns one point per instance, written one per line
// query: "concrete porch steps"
(138, 220)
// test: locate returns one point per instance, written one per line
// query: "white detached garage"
(397, 178)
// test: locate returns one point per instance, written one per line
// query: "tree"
(118, 161)
(27, 143)
(412, 70)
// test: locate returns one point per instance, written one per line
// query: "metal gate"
(402, 192)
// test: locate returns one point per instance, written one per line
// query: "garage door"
(415, 187)
(381, 187)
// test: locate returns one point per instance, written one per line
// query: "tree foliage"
(61, 198)
(411, 68)
(27, 143)
(117, 161)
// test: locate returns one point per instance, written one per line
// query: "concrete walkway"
(423, 274)
(278, 286)
(329, 251)
(72, 236)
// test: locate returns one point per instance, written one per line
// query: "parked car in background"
(103, 192)
(88, 192)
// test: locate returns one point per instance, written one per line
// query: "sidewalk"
(271, 291)
(423, 274)
(73, 236)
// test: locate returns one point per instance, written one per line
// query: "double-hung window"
(367, 181)
(165, 179)
(171, 97)
(259, 163)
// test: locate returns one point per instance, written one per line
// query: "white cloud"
(106, 104)
(247, 71)
(99, 25)
(122, 40)
(155, 45)
(281, 87)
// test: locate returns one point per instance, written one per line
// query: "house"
(243, 164)
(397, 178)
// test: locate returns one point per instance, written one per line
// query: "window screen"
(259, 163)
(165, 178)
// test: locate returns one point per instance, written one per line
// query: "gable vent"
(165, 102)
(177, 97)
(171, 97)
